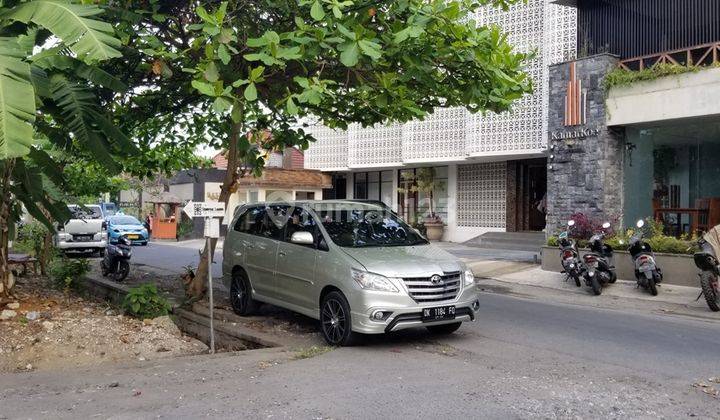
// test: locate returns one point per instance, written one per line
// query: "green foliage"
(552, 241)
(184, 228)
(68, 273)
(622, 77)
(653, 235)
(31, 238)
(145, 302)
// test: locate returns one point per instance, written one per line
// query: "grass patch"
(311, 352)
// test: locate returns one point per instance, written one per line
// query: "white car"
(85, 232)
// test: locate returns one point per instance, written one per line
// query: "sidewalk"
(530, 281)
(514, 273)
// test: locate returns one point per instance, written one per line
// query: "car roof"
(312, 202)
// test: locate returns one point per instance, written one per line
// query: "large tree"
(273, 65)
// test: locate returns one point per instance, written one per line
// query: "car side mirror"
(302, 238)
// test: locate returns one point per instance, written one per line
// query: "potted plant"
(425, 182)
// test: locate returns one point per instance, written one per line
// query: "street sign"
(209, 210)
(205, 209)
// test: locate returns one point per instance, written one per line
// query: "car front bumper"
(406, 313)
(81, 246)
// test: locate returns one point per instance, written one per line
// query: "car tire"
(336, 321)
(241, 294)
(445, 329)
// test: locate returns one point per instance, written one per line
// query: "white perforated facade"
(457, 138)
(481, 189)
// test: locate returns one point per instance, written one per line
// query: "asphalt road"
(171, 257)
(523, 358)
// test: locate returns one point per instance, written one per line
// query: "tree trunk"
(197, 287)
(5, 202)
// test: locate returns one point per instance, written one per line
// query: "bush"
(68, 273)
(145, 302)
(31, 238)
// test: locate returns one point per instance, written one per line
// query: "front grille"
(422, 289)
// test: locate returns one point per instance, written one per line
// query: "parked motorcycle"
(707, 261)
(116, 264)
(569, 256)
(599, 268)
(647, 273)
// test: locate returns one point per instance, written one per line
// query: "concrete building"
(648, 147)
(492, 167)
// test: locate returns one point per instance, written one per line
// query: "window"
(275, 219)
(358, 225)
(415, 205)
(361, 189)
(251, 221)
(375, 185)
(304, 195)
(299, 221)
(253, 197)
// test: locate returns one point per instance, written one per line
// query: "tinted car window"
(276, 216)
(87, 212)
(251, 221)
(300, 220)
(365, 225)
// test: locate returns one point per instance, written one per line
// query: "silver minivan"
(354, 265)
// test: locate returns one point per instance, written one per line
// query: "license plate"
(83, 238)
(133, 236)
(439, 313)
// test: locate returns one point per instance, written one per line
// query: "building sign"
(580, 133)
(575, 114)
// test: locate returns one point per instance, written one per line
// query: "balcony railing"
(696, 56)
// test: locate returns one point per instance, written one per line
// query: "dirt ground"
(53, 331)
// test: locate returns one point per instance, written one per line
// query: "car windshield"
(87, 212)
(124, 220)
(365, 225)
(110, 209)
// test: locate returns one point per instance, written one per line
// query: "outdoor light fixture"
(550, 167)
(552, 157)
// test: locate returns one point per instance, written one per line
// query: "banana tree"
(49, 80)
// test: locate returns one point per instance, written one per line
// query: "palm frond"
(17, 101)
(91, 40)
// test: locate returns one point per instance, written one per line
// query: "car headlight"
(370, 281)
(469, 277)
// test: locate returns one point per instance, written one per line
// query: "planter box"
(677, 269)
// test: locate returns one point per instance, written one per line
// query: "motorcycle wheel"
(652, 288)
(712, 297)
(103, 268)
(576, 277)
(613, 277)
(595, 285)
(123, 270)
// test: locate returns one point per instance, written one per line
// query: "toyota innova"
(354, 265)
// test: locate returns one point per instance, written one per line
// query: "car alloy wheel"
(240, 294)
(335, 320)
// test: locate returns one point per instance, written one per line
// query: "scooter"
(599, 262)
(707, 261)
(647, 273)
(569, 256)
(115, 263)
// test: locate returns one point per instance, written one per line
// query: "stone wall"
(585, 175)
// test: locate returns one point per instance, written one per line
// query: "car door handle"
(281, 253)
